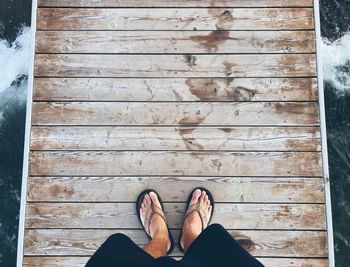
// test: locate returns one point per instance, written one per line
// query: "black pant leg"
(119, 251)
(215, 247)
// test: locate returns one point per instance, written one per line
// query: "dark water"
(338, 130)
(335, 27)
(15, 14)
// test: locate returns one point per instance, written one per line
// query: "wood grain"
(66, 261)
(179, 42)
(101, 163)
(183, 114)
(219, 94)
(176, 138)
(175, 19)
(160, 66)
(259, 243)
(175, 189)
(175, 3)
(202, 89)
(123, 215)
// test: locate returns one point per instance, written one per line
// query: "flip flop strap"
(154, 210)
(197, 207)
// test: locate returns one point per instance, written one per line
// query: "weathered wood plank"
(179, 42)
(100, 163)
(203, 89)
(80, 261)
(123, 215)
(176, 189)
(174, 19)
(259, 243)
(176, 138)
(175, 3)
(159, 66)
(184, 114)
(290, 262)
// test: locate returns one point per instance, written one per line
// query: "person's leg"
(157, 247)
(119, 251)
(193, 224)
(160, 242)
(216, 247)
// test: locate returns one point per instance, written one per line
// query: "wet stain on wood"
(189, 141)
(219, 89)
(294, 108)
(186, 133)
(58, 190)
(244, 241)
(190, 60)
(224, 18)
(280, 215)
(228, 67)
(212, 40)
(226, 130)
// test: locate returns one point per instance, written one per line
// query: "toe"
(203, 196)
(154, 199)
(195, 196)
(147, 199)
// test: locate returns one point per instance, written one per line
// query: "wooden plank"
(290, 262)
(179, 42)
(80, 261)
(183, 114)
(175, 3)
(175, 19)
(176, 138)
(159, 66)
(202, 89)
(123, 215)
(259, 243)
(104, 163)
(175, 189)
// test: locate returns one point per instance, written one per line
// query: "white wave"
(336, 62)
(14, 58)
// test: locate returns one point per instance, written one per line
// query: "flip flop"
(154, 210)
(196, 207)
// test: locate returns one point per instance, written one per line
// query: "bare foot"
(193, 224)
(157, 225)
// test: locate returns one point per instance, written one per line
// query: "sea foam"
(336, 62)
(15, 58)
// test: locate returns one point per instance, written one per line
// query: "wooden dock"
(171, 95)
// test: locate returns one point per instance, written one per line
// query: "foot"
(193, 224)
(157, 225)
